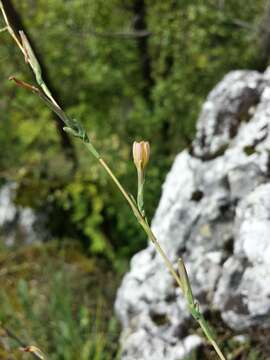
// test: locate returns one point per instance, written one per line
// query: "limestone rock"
(243, 292)
(18, 224)
(215, 212)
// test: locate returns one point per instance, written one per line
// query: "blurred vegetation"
(129, 70)
(55, 298)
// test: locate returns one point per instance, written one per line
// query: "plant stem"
(140, 202)
(205, 327)
(142, 222)
(9, 28)
(77, 130)
(34, 351)
(200, 319)
(120, 187)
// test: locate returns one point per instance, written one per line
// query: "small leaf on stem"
(24, 84)
(185, 282)
(35, 351)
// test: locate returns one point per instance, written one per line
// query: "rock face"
(18, 224)
(215, 212)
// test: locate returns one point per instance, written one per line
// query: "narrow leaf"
(185, 282)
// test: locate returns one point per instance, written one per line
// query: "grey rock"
(215, 212)
(142, 345)
(243, 291)
(17, 223)
(230, 103)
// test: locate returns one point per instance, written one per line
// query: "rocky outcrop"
(18, 224)
(215, 212)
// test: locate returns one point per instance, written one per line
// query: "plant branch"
(33, 350)
(18, 31)
(73, 127)
(9, 28)
(77, 130)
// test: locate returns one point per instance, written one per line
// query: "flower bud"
(141, 154)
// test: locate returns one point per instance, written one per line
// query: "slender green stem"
(142, 222)
(9, 28)
(140, 202)
(199, 318)
(205, 327)
(33, 350)
(162, 253)
(120, 187)
(75, 128)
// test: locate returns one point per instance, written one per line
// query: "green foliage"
(100, 73)
(56, 299)
(85, 205)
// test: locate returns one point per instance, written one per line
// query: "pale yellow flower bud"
(141, 154)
